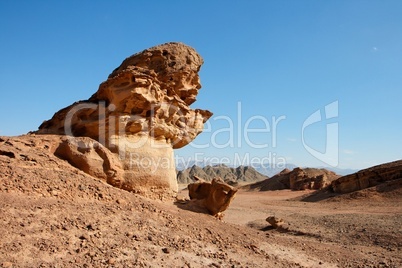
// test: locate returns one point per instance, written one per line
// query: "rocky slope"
(231, 175)
(368, 177)
(140, 113)
(53, 214)
(297, 179)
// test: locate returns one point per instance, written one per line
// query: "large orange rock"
(310, 178)
(215, 195)
(141, 113)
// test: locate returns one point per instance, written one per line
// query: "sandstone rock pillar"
(141, 113)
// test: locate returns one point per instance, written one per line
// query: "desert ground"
(84, 222)
(350, 231)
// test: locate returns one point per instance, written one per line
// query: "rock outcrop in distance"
(140, 114)
(244, 174)
(297, 179)
(369, 177)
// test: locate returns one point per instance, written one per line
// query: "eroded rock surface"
(297, 179)
(215, 195)
(368, 177)
(310, 178)
(141, 113)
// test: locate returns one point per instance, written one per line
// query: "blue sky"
(274, 59)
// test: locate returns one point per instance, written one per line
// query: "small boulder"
(275, 222)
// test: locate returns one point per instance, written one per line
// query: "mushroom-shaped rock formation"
(141, 112)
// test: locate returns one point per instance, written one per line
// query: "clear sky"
(265, 62)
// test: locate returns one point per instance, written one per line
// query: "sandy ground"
(361, 229)
(339, 232)
(83, 222)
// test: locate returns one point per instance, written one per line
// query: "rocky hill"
(231, 175)
(369, 177)
(297, 179)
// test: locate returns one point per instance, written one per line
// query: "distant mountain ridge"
(229, 174)
(265, 169)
